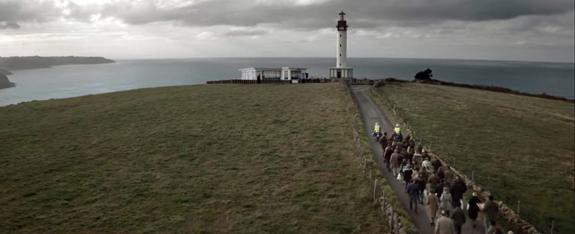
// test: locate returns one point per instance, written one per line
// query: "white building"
(341, 70)
(283, 73)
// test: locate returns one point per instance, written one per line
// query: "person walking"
(426, 165)
(436, 164)
(383, 141)
(458, 188)
(413, 192)
(492, 228)
(397, 136)
(420, 181)
(387, 156)
(432, 205)
(407, 174)
(377, 131)
(490, 209)
(433, 179)
(458, 218)
(444, 224)
(417, 158)
(445, 200)
(473, 208)
(394, 161)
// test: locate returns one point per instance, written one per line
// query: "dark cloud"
(9, 25)
(19, 11)
(245, 32)
(365, 13)
(292, 14)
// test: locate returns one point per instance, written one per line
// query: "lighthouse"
(341, 70)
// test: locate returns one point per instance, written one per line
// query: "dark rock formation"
(424, 75)
(5, 72)
(4, 82)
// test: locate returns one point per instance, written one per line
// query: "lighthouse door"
(338, 74)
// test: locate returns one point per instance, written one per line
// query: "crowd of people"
(433, 185)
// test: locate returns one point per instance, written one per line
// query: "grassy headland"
(219, 158)
(518, 147)
(32, 62)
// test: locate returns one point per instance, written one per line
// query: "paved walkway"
(370, 114)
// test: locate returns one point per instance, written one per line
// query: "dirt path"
(370, 113)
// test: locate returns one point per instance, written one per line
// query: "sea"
(77, 80)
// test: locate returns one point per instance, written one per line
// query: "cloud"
(9, 25)
(391, 25)
(245, 32)
(312, 14)
(211, 33)
(320, 13)
(32, 10)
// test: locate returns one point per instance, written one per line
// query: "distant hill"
(31, 62)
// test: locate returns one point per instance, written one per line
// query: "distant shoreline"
(34, 62)
(8, 64)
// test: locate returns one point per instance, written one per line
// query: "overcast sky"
(540, 30)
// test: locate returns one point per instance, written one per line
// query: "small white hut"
(283, 73)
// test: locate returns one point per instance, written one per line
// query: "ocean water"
(77, 80)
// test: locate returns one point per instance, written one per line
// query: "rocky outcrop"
(424, 75)
(4, 82)
(5, 72)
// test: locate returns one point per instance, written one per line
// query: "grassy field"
(200, 159)
(520, 148)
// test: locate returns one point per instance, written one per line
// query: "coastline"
(8, 64)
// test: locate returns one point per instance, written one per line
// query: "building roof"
(273, 68)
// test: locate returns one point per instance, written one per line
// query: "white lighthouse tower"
(341, 70)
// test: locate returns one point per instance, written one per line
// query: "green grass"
(520, 148)
(199, 159)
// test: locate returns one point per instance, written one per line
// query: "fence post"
(518, 207)
(396, 217)
(364, 164)
(374, 189)
(383, 204)
(370, 174)
(391, 221)
(552, 225)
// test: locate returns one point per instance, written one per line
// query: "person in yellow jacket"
(377, 130)
(396, 136)
(397, 129)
